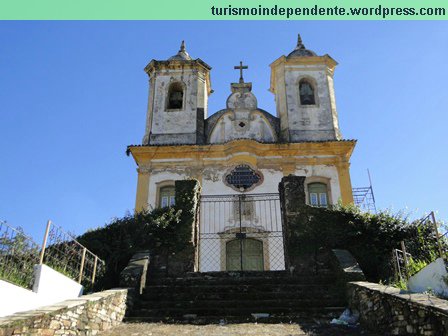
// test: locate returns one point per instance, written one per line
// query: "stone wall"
(292, 200)
(180, 258)
(390, 311)
(87, 315)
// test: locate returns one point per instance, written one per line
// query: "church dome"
(300, 50)
(182, 55)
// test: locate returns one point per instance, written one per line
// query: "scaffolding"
(364, 197)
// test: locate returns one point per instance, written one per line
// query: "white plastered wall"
(330, 175)
(213, 180)
(212, 183)
(160, 176)
(49, 288)
(220, 217)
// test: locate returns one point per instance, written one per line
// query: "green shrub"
(163, 231)
(116, 242)
(415, 265)
(369, 237)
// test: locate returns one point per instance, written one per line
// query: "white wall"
(218, 217)
(326, 171)
(15, 299)
(49, 287)
(53, 286)
(213, 181)
(430, 277)
(162, 175)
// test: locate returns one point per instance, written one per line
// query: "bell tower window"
(175, 96)
(306, 92)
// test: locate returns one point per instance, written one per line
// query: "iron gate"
(240, 232)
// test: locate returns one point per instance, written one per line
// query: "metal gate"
(240, 232)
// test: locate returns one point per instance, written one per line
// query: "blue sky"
(73, 95)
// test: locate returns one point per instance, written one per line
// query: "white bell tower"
(302, 83)
(177, 102)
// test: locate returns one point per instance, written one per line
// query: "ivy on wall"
(369, 237)
(187, 202)
(165, 231)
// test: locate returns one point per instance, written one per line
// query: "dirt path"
(157, 329)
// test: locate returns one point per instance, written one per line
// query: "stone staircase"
(231, 297)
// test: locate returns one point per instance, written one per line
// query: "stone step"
(239, 274)
(247, 281)
(310, 316)
(234, 296)
(242, 288)
(302, 293)
(235, 303)
(314, 280)
(233, 274)
(223, 312)
(238, 279)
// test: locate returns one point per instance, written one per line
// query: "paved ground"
(158, 329)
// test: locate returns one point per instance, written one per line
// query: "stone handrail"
(134, 274)
(347, 266)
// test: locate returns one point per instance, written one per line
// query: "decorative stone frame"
(312, 81)
(159, 186)
(251, 233)
(184, 95)
(230, 115)
(318, 179)
(229, 170)
(237, 125)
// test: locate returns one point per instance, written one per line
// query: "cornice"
(341, 149)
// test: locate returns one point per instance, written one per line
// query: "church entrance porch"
(240, 233)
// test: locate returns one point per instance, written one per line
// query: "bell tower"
(302, 83)
(177, 102)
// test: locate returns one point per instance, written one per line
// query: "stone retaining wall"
(87, 315)
(390, 311)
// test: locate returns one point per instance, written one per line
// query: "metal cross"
(241, 67)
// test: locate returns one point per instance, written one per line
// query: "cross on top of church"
(241, 67)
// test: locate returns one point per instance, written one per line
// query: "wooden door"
(252, 252)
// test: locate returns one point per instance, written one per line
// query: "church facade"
(240, 153)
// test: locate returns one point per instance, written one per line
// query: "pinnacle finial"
(182, 46)
(300, 44)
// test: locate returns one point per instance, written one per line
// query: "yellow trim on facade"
(285, 156)
(341, 149)
(345, 183)
(141, 201)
